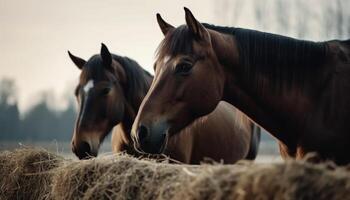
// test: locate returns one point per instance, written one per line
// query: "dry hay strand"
(124, 177)
(25, 173)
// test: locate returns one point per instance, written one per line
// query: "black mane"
(176, 42)
(137, 79)
(94, 68)
(283, 60)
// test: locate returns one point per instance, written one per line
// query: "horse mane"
(175, 42)
(137, 80)
(347, 42)
(284, 61)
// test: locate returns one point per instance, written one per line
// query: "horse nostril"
(142, 133)
(85, 147)
(83, 150)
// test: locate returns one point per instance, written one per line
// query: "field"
(29, 173)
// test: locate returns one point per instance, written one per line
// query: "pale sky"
(36, 34)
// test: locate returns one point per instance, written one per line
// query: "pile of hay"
(25, 173)
(124, 177)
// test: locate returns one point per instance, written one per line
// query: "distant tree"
(339, 18)
(40, 122)
(67, 116)
(66, 122)
(303, 14)
(283, 15)
(8, 91)
(260, 14)
(9, 114)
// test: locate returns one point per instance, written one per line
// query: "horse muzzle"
(83, 150)
(152, 139)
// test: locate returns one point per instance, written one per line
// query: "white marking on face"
(87, 87)
(166, 59)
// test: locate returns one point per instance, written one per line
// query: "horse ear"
(110, 64)
(106, 56)
(164, 26)
(195, 26)
(79, 62)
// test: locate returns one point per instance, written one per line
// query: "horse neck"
(131, 107)
(270, 110)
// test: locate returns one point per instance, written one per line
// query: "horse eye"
(105, 91)
(183, 68)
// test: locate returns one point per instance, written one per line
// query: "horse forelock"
(95, 70)
(177, 41)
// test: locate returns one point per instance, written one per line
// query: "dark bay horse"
(110, 90)
(297, 90)
(109, 94)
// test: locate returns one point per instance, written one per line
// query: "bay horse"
(297, 90)
(109, 93)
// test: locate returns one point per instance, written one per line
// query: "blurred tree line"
(40, 122)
